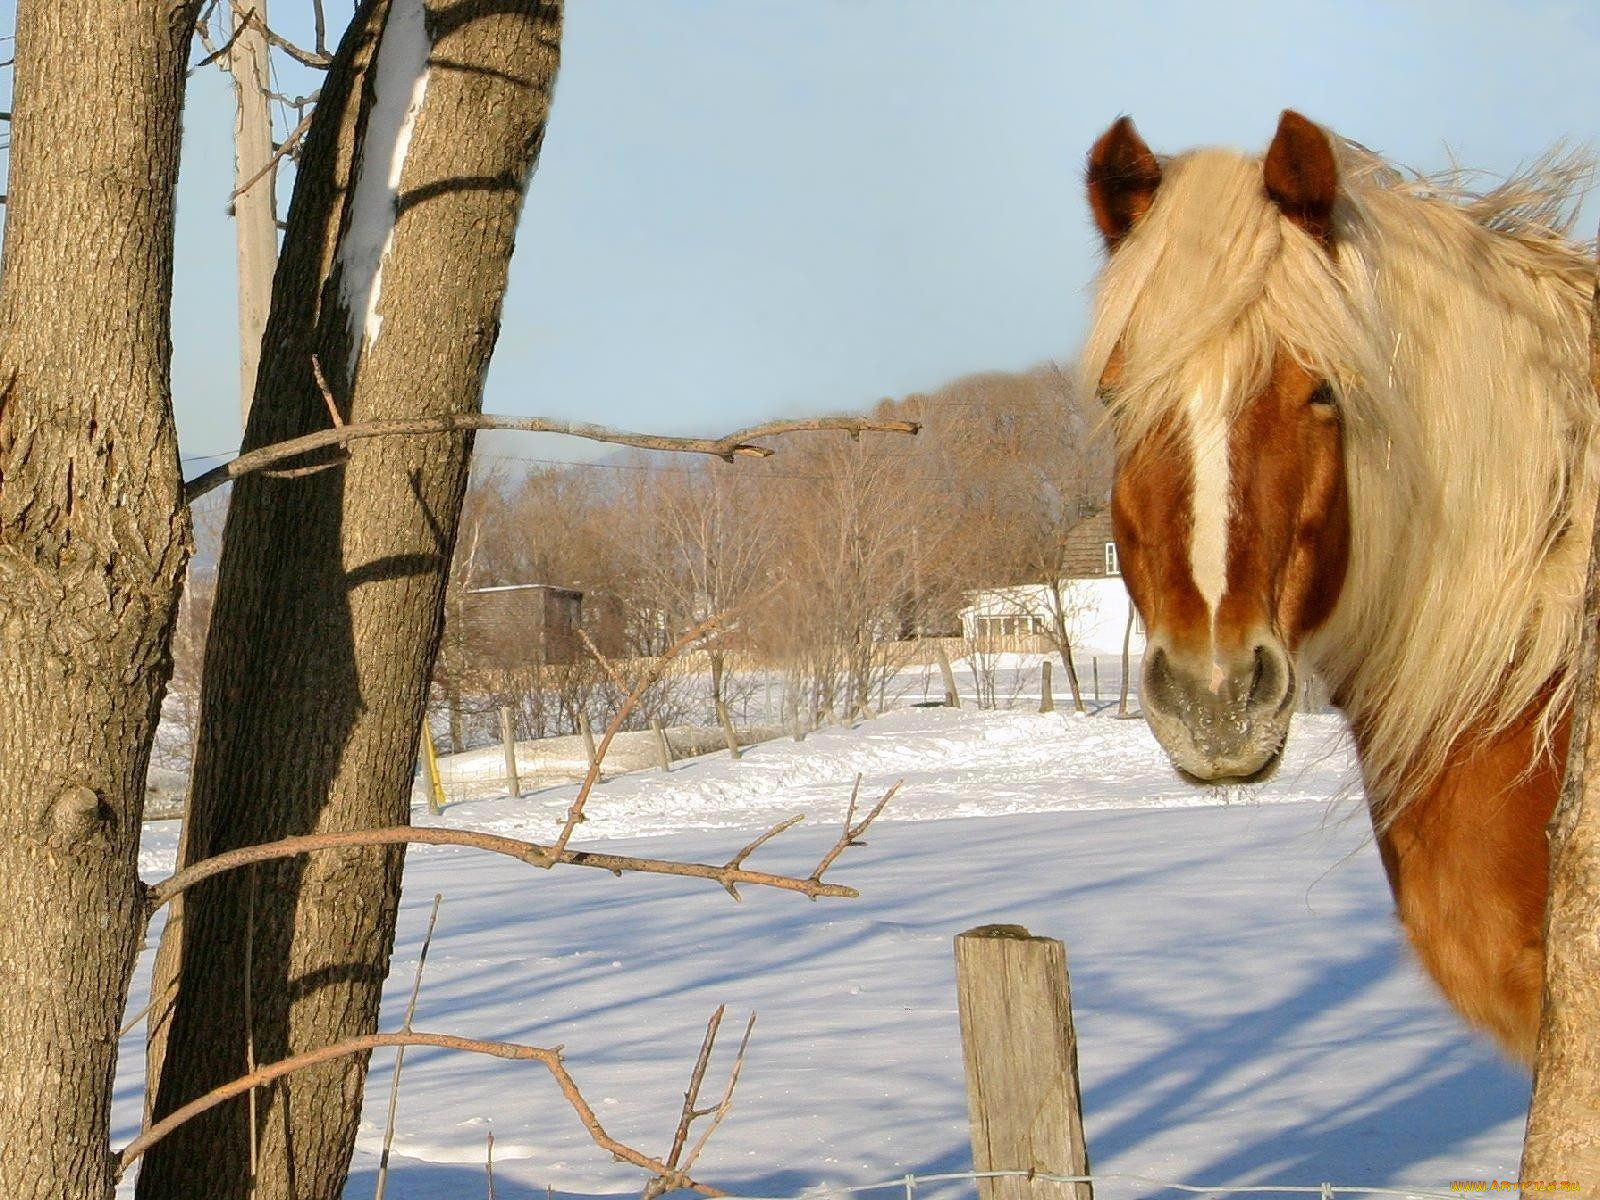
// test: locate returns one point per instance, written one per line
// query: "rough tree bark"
(93, 538)
(1563, 1133)
(331, 588)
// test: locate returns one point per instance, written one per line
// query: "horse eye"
(1323, 396)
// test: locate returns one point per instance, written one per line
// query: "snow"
(400, 83)
(1245, 1007)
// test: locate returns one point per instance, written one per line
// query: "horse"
(1356, 434)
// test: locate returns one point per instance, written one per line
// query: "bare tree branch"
(524, 851)
(735, 444)
(400, 1054)
(549, 1057)
(306, 58)
(692, 635)
(221, 51)
(605, 663)
(286, 147)
(691, 1098)
(738, 859)
(852, 832)
(691, 1095)
(327, 392)
(720, 1109)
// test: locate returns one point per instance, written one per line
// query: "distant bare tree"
(702, 542)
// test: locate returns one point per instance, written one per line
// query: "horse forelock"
(1454, 329)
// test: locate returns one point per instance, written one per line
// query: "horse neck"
(1467, 862)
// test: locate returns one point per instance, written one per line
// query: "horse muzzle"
(1221, 719)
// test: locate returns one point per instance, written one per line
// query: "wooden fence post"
(430, 757)
(952, 698)
(588, 738)
(1021, 1059)
(1094, 663)
(727, 729)
(663, 751)
(508, 738)
(1047, 695)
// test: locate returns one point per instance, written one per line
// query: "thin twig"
(721, 1110)
(400, 1054)
(852, 832)
(524, 851)
(286, 147)
(782, 826)
(676, 1159)
(605, 663)
(327, 392)
(691, 1097)
(221, 51)
(630, 701)
(306, 58)
(549, 1057)
(488, 1163)
(144, 1012)
(733, 445)
(250, 1022)
(314, 469)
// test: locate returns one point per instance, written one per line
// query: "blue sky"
(749, 208)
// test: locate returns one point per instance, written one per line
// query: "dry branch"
(691, 1113)
(605, 663)
(692, 635)
(549, 1057)
(852, 832)
(728, 874)
(734, 444)
(287, 146)
(400, 1054)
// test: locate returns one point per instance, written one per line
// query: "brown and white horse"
(1356, 434)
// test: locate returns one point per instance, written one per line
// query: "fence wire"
(909, 1185)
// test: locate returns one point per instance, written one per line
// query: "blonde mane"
(1454, 327)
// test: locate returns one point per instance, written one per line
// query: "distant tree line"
(845, 553)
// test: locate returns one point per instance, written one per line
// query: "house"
(1091, 598)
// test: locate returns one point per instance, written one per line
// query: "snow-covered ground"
(1245, 1009)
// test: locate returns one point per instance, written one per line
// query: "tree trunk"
(311, 723)
(255, 214)
(1127, 663)
(1563, 1132)
(93, 537)
(1064, 647)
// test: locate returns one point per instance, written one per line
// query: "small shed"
(521, 625)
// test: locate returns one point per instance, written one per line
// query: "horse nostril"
(1160, 686)
(1269, 678)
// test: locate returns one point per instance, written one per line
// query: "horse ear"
(1123, 177)
(1301, 175)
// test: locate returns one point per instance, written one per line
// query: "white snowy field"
(1245, 1008)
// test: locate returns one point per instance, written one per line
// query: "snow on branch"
(740, 443)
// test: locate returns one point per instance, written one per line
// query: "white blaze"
(399, 84)
(1208, 538)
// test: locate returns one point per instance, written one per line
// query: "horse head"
(1228, 503)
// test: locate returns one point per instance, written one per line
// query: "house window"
(1112, 567)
